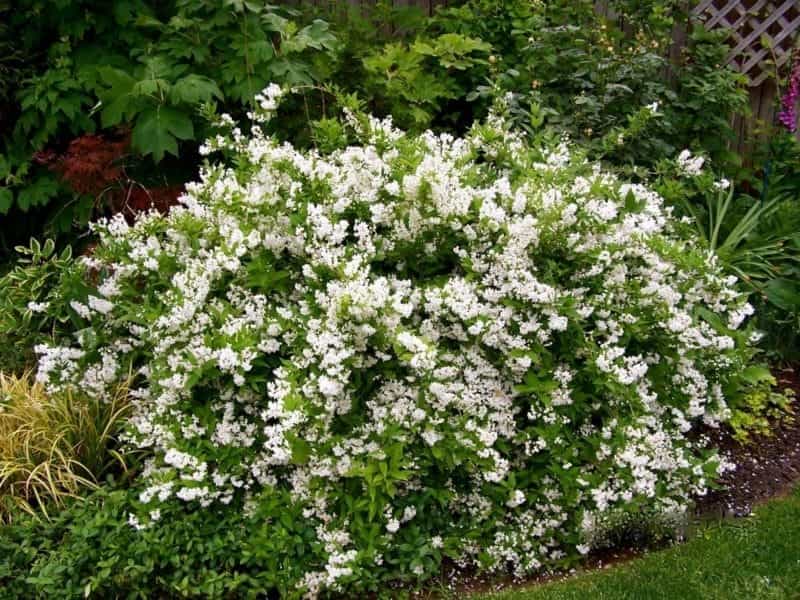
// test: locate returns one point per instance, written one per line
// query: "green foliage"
(509, 345)
(32, 305)
(90, 549)
(577, 72)
(146, 66)
(759, 409)
(157, 68)
(756, 403)
(756, 234)
(53, 446)
(413, 82)
(745, 241)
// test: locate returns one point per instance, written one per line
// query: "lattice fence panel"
(749, 22)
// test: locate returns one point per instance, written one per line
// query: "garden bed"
(767, 467)
(487, 291)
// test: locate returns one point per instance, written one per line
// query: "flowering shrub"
(432, 347)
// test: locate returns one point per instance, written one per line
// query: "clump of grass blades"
(53, 447)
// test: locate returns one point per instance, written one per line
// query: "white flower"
(722, 184)
(517, 498)
(690, 165)
(100, 305)
(408, 513)
(394, 313)
(557, 323)
(38, 307)
(81, 309)
(330, 387)
(134, 522)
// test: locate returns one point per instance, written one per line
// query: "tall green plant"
(578, 72)
(32, 305)
(53, 446)
(741, 242)
(144, 66)
(758, 240)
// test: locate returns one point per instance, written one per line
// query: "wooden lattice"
(748, 22)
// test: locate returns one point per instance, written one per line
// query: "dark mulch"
(768, 466)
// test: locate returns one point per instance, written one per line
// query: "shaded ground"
(767, 467)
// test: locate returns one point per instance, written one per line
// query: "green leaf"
(784, 293)
(38, 193)
(117, 99)
(275, 22)
(148, 21)
(158, 130)
(291, 71)
(6, 200)
(757, 374)
(317, 36)
(194, 89)
(301, 450)
(261, 51)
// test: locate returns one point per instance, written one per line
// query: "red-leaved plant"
(94, 165)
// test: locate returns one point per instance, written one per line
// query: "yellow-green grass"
(53, 447)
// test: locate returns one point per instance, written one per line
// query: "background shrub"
(145, 67)
(146, 72)
(33, 308)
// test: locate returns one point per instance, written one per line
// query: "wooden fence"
(762, 35)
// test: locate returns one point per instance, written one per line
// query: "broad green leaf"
(38, 193)
(153, 87)
(118, 98)
(148, 21)
(784, 293)
(275, 22)
(301, 450)
(317, 36)
(6, 200)
(158, 130)
(260, 51)
(757, 374)
(193, 89)
(292, 72)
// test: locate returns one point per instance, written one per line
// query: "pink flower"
(788, 115)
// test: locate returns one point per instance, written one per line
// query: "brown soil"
(767, 467)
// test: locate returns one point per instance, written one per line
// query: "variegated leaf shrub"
(432, 346)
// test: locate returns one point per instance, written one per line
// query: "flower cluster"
(438, 346)
(689, 165)
(788, 114)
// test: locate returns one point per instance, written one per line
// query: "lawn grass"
(745, 559)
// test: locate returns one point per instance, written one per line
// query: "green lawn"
(746, 559)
